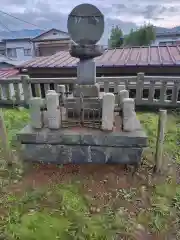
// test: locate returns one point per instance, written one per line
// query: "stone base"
(64, 154)
(87, 90)
(81, 145)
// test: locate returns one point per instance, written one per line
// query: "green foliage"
(172, 136)
(40, 225)
(71, 199)
(140, 37)
(15, 120)
(116, 37)
(62, 211)
(176, 205)
(161, 210)
(71, 220)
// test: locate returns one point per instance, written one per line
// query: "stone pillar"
(119, 89)
(35, 112)
(61, 90)
(53, 111)
(123, 94)
(26, 86)
(108, 104)
(130, 121)
(86, 72)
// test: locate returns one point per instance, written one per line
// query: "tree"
(142, 36)
(116, 37)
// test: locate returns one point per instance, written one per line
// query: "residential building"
(20, 49)
(2, 48)
(6, 62)
(50, 42)
(24, 49)
(167, 38)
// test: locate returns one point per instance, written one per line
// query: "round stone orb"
(85, 24)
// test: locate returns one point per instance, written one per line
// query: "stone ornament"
(85, 24)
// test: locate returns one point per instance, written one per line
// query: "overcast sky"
(127, 13)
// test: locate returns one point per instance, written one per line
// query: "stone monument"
(86, 26)
(91, 126)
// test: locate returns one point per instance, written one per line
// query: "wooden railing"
(160, 91)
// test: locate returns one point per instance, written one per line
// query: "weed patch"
(88, 202)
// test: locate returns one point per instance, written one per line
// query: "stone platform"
(81, 145)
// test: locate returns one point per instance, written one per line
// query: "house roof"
(16, 39)
(134, 56)
(5, 59)
(8, 72)
(168, 33)
(24, 34)
(44, 33)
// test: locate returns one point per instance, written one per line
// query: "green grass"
(69, 220)
(172, 136)
(65, 211)
(15, 120)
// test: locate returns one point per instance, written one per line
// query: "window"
(11, 52)
(27, 52)
(2, 52)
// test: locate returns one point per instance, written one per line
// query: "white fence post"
(123, 94)
(53, 111)
(160, 140)
(108, 111)
(139, 87)
(5, 147)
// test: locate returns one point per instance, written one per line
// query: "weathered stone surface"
(88, 137)
(123, 94)
(117, 97)
(120, 88)
(54, 121)
(125, 155)
(108, 111)
(61, 89)
(87, 90)
(81, 154)
(131, 123)
(35, 112)
(92, 102)
(61, 154)
(86, 51)
(45, 118)
(53, 113)
(128, 107)
(130, 120)
(88, 103)
(47, 153)
(86, 72)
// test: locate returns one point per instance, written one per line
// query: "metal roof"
(5, 59)
(134, 56)
(8, 72)
(44, 33)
